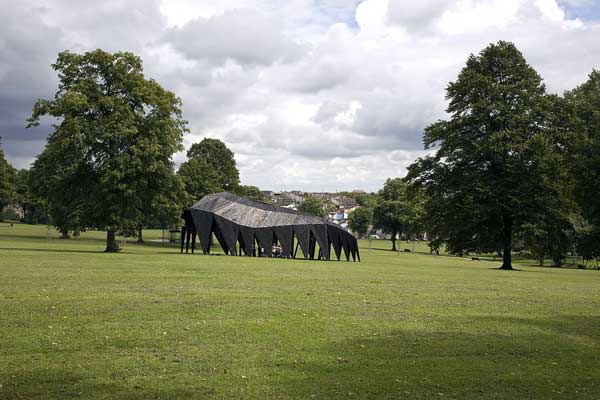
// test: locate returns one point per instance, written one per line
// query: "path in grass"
(151, 323)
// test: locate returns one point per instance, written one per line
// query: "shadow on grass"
(531, 358)
(574, 326)
(150, 243)
(500, 358)
(15, 236)
(58, 383)
(82, 240)
(28, 249)
(498, 268)
(401, 250)
(74, 251)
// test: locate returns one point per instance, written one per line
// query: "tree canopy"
(7, 182)
(398, 209)
(312, 205)
(7, 179)
(108, 162)
(210, 168)
(359, 220)
(252, 193)
(585, 146)
(33, 206)
(62, 183)
(498, 167)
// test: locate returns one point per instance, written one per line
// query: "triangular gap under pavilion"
(320, 235)
(302, 233)
(285, 236)
(334, 239)
(265, 238)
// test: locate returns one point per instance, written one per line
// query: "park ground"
(151, 323)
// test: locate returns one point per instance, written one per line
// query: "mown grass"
(151, 323)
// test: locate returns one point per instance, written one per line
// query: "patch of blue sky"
(337, 11)
(585, 10)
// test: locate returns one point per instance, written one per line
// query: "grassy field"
(149, 323)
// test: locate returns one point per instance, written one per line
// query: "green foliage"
(312, 205)
(210, 168)
(363, 199)
(252, 193)
(498, 169)
(7, 181)
(552, 238)
(359, 220)
(108, 162)
(587, 243)
(368, 200)
(34, 207)
(398, 210)
(199, 179)
(584, 149)
(62, 185)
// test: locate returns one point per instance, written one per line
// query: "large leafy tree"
(584, 154)
(7, 181)
(368, 200)
(359, 220)
(163, 208)
(312, 205)
(60, 179)
(498, 169)
(586, 243)
(34, 207)
(398, 209)
(548, 236)
(109, 159)
(363, 199)
(553, 232)
(210, 168)
(252, 193)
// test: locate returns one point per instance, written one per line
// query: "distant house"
(341, 206)
(296, 195)
(14, 210)
(347, 203)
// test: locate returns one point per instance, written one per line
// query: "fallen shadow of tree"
(526, 359)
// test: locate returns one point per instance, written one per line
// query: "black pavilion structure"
(254, 227)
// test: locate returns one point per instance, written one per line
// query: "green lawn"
(151, 323)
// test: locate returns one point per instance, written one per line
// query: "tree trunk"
(140, 238)
(394, 241)
(64, 234)
(111, 242)
(507, 243)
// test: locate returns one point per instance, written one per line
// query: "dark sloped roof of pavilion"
(231, 217)
(255, 214)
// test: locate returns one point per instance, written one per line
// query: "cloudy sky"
(309, 94)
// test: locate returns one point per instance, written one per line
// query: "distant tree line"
(512, 168)
(396, 210)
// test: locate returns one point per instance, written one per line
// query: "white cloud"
(243, 35)
(418, 15)
(311, 95)
(550, 9)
